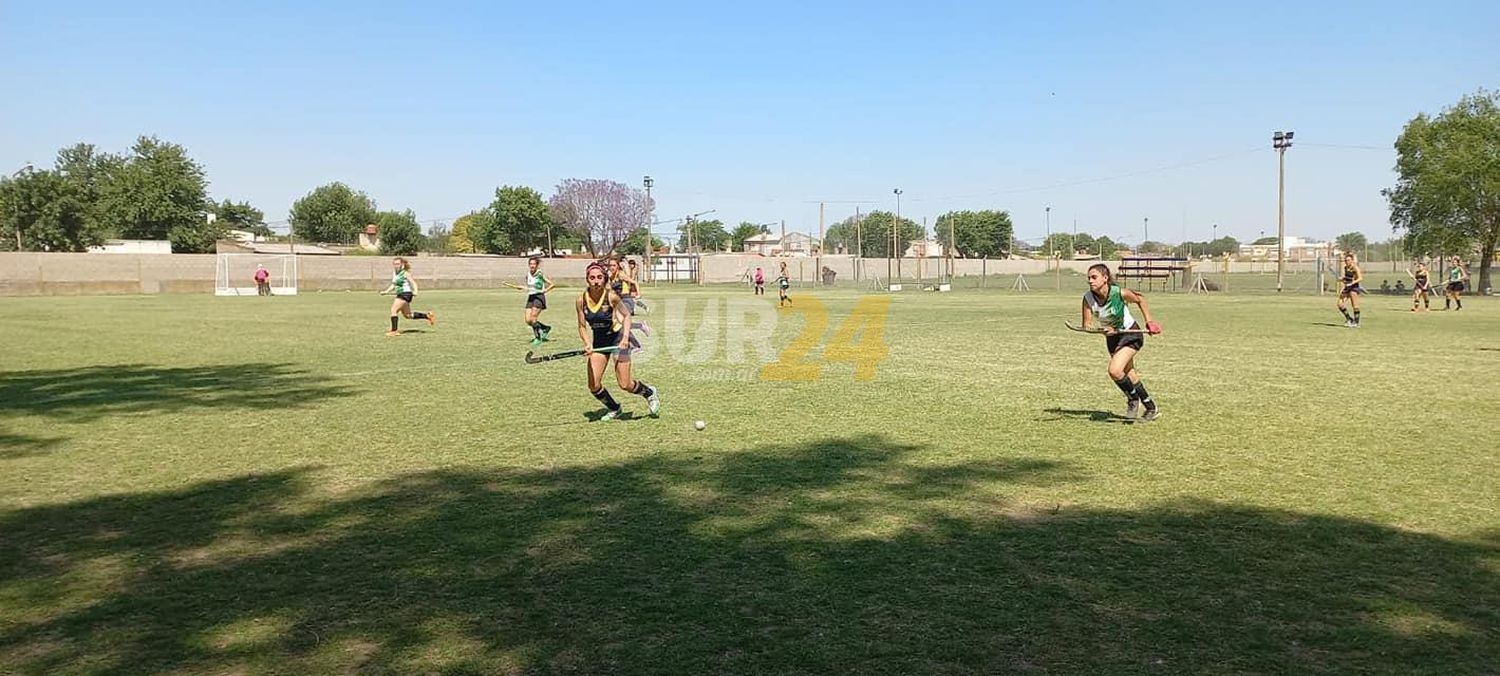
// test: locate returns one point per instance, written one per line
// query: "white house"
(1297, 249)
(133, 246)
(369, 239)
(920, 248)
(798, 244)
(765, 244)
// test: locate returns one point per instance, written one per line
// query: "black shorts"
(406, 296)
(611, 339)
(1455, 286)
(1119, 340)
(537, 300)
(1351, 289)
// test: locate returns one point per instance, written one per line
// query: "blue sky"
(1110, 114)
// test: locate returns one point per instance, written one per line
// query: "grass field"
(196, 484)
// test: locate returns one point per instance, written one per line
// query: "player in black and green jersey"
(537, 286)
(1350, 291)
(1457, 275)
(604, 321)
(1422, 285)
(405, 288)
(1104, 304)
(783, 283)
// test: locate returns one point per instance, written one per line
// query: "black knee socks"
(419, 315)
(1135, 391)
(1346, 315)
(394, 320)
(1356, 315)
(641, 388)
(604, 398)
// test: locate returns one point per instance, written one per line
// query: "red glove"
(1153, 328)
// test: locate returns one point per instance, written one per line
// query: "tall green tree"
(1352, 241)
(870, 235)
(241, 216)
(400, 234)
(703, 235)
(745, 230)
(1447, 190)
(159, 192)
(976, 234)
(332, 213)
(51, 212)
(1105, 248)
(460, 239)
(635, 245)
(520, 222)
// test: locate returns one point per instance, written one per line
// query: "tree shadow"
(845, 555)
(1093, 415)
(14, 446)
(89, 393)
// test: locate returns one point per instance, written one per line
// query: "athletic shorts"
(1119, 340)
(537, 300)
(1421, 287)
(1351, 289)
(629, 303)
(1455, 286)
(406, 296)
(608, 338)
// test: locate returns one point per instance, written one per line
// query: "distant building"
(369, 240)
(798, 244)
(1297, 249)
(765, 244)
(133, 246)
(273, 248)
(923, 248)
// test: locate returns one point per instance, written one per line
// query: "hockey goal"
(236, 274)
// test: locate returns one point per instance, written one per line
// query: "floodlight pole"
(1281, 141)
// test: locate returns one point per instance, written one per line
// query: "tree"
(601, 213)
(635, 244)
(1105, 247)
(1351, 241)
(704, 235)
(159, 192)
(332, 213)
(400, 235)
(1263, 241)
(241, 216)
(520, 221)
(439, 240)
(50, 211)
(745, 230)
(874, 232)
(976, 234)
(459, 239)
(1153, 247)
(1447, 190)
(90, 171)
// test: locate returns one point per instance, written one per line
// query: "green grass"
(193, 484)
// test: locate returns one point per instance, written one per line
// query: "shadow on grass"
(847, 555)
(1095, 416)
(88, 393)
(21, 446)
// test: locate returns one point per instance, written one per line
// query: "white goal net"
(236, 275)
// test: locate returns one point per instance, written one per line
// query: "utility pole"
(1281, 141)
(650, 218)
(819, 264)
(895, 227)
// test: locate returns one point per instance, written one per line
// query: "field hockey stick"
(1101, 331)
(532, 358)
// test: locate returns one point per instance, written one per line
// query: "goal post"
(235, 274)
